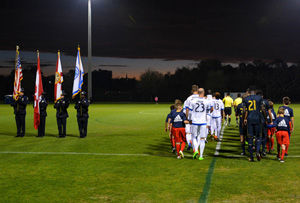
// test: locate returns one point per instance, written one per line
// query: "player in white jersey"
(217, 116)
(188, 115)
(209, 120)
(198, 107)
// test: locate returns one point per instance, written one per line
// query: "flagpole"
(89, 49)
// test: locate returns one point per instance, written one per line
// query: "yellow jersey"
(237, 101)
(228, 101)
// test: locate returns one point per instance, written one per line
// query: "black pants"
(20, 121)
(41, 131)
(82, 124)
(61, 124)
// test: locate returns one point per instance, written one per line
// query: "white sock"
(188, 138)
(202, 146)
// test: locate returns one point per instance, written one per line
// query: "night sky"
(163, 29)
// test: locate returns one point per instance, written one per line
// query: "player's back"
(218, 106)
(199, 108)
(228, 101)
(240, 110)
(288, 112)
(253, 104)
(177, 119)
(282, 123)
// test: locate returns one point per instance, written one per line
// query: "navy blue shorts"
(254, 129)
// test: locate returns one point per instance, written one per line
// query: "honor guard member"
(43, 114)
(61, 107)
(20, 112)
(82, 106)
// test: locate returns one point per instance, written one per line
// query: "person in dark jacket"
(82, 106)
(19, 106)
(61, 107)
(43, 114)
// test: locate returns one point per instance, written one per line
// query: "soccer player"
(264, 122)
(188, 114)
(242, 128)
(282, 124)
(217, 116)
(199, 106)
(228, 102)
(236, 102)
(289, 113)
(253, 107)
(271, 128)
(168, 127)
(209, 118)
(178, 120)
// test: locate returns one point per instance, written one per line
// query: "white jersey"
(187, 103)
(210, 100)
(218, 107)
(198, 107)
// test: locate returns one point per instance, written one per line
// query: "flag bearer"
(19, 106)
(61, 107)
(82, 106)
(43, 114)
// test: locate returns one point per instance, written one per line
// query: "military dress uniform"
(43, 114)
(61, 107)
(82, 106)
(19, 106)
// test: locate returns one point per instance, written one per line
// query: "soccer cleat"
(178, 157)
(251, 159)
(173, 150)
(281, 161)
(201, 158)
(243, 154)
(264, 154)
(195, 155)
(258, 157)
(181, 154)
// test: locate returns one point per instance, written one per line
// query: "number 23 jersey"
(253, 106)
(199, 107)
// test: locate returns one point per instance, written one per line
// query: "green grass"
(133, 129)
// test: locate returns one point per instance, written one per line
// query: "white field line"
(111, 154)
(218, 147)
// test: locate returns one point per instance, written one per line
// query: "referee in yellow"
(236, 102)
(228, 102)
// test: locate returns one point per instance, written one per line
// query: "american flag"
(18, 75)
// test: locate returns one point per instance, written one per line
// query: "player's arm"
(245, 114)
(263, 109)
(270, 116)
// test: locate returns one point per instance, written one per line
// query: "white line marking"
(218, 147)
(111, 154)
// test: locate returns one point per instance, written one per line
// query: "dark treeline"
(276, 79)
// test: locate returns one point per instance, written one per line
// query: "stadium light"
(90, 49)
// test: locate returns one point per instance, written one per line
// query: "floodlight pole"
(89, 49)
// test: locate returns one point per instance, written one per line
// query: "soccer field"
(126, 158)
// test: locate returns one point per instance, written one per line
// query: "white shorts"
(188, 128)
(199, 131)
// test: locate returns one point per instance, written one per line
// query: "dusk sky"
(130, 36)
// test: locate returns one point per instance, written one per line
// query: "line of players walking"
(201, 115)
(61, 106)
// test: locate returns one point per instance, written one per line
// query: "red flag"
(38, 93)
(18, 75)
